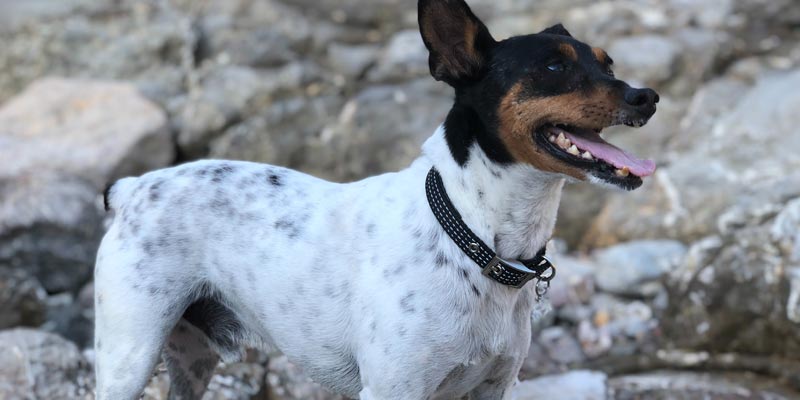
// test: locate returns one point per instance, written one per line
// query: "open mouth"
(584, 148)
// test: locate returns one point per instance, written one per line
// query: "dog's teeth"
(562, 141)
(623, 172)
(587, 155)
(552, 138)
(573, 150)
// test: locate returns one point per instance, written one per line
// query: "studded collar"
(514, 273)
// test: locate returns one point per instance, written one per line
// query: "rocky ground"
(688, 288)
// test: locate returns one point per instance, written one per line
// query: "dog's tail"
(120, 189)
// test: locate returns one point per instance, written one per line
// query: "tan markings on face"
(568, 50)
(600, 54)
(519, 117)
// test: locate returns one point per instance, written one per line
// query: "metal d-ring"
(544, 276)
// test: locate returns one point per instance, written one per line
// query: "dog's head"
(541, 99)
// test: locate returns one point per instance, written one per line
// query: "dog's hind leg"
(132, 322)
(208, 331)
(190, 362)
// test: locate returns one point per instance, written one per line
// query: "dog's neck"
(511, 207)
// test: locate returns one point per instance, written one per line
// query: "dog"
(364, 284)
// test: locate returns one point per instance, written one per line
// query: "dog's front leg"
(400, 378)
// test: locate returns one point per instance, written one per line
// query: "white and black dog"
(376, 288)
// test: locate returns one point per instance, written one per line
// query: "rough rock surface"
(573, 385)
(99, 131)
(290, 383)
(737, 290)
(50, 226)
(741, 155)
(22, 299)
(38, 365)
(340, 89)
(661, 385)
(236, 381)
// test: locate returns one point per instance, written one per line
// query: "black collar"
(507, 272)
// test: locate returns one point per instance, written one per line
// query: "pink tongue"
(612, 154)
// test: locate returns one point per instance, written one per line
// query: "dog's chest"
(494, 347)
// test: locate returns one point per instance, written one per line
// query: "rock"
(39, 365)
(738, 291)
(700, 52)
(232, 93)
(97, 39)
(573, 385)
(261, 47)
(352, 60)
(574, 282)
(99, 131)
(664, 385)
(404, 56)
(708, 104)
(622, 269)
(741, 157)
(602, 22)
(708, 14)
(71, 318)
(288, 382)
(281, 134)
(244, 380)
(385, 13)
(595, 340)
(657, 67)
(538, 362)
(561, 346)
(22, 299)
(379, 130)
(785, 230)
(50, 226)
(617, 328)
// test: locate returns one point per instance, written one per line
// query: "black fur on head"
(508, 90)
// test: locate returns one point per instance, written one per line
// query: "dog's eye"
(557, 66)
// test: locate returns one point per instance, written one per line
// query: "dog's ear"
(557, 29)
(458, 42)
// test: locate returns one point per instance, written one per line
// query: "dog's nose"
(641, 97)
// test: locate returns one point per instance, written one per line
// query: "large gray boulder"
(50, 226)
(739, 290)
(96, 130)
(39, 365)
